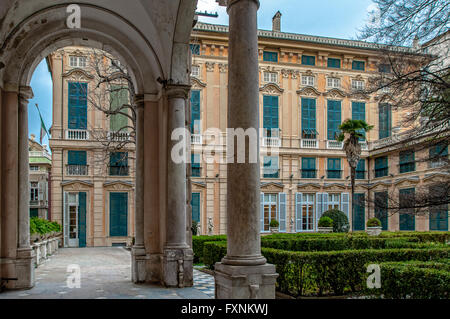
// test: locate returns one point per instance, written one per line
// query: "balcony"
(196, 139)
(364, 146)
(40, 154)
(78, 135)
(309, 143)
(76, 170)
(271, 142)
(38, 203)
(336, 174)
(118, 136)
(308, 173)
(334, 145)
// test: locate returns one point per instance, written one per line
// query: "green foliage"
(340, 220)
(374, 222)
(42, 226)
(325, 221)
(198, 242)
(213, 252)
(354, 128)
(194, 228)
(274, 223)
(414, 279)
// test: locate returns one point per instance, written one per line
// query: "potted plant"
(273, 226)
(325, 225)
(373, 227)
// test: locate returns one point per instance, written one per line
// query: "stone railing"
(118, 136)
(271, 142)
(44, 246)
(196, 139)
(309, 143)
(334, 145)
(78, 135)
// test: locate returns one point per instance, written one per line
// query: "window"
(195, 49)
(34, 168)
(271, 77)
(118, 164)
(34, 191)
(196, 170)
(308, 118)
(333, 82)
(334, 119)
(270, 167)
(334, 168)
(381, 166)
(195, 202)
(334, 63)
(195, 71)
(77, 61)
(308, 167)
(334, 201)
(195, 112)
(407, 162)
(381, 209)
(358, 65)
(307, 217)
(438, 155)
(361, 169)
(439, 213)
(308, 80)
(270, 209)
(357, 85)
(76, 163)
(385, 120)
(118, 98)
(77, 116)
(406, 205)
(270, 115)
(359, 113)
(359, 213)
(384, 68)
(308, 60)
(270, 56)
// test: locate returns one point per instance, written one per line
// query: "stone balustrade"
(44, 248)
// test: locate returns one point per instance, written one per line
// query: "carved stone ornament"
(196, 84)
(271, 88)
(335, 93)
(209, 66)
(308, 91)
(223, 67)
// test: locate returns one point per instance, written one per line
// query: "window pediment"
(308, 91)
(272, 187)
(77, 74)
(271, 88)
(197, 84)
(334, 93)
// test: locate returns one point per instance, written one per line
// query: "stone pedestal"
(138, 264)
(245, 282)
(25, 265)
(178, 267)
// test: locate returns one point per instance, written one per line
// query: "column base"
(20, 270)
(153, 268)
(138, 263)
(178, 267)
(245, 282)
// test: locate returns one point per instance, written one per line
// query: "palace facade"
(308, 86)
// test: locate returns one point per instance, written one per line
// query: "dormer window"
(77, 61)
(308, 80)
(271, 77)
(357, 85)
(334, 82)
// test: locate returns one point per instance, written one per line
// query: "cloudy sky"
(330, 18)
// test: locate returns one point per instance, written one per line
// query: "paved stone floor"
(105, 273)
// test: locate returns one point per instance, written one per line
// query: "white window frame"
(34, 168)
(334, 82)
(308, 80)
(357, 85)
(197, 71)
(270, 77)
(270, 202)
(77, 61)
(332, 203)
(34, 191)
(306, 202)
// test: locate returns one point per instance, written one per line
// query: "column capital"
(229, 3)
(25, 93)
(139, 99)
(178, 91)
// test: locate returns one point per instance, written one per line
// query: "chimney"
(276, 22)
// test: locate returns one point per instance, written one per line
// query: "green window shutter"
(308, 118)
(334, 119)
(270, 113)
(438, 150)
(282, 211)
(384, 120)
(77, 114)
(118, 164)
(195, 165)
(308, 167)
(358, 216)
(82, 219)
(334, 63)
(195, 49)
(34, 212)
(439, 213)
(358, 65)
(195, 202)
(298, 212)
(270, 56)
(381, 208)
(195, 111)
(407, 161)
(119, 97)
(359, 113)
(381, 166)
(308, 60)
(361, 169)
(76, 158)
(118, 210)
(406, 219)
(333, 168)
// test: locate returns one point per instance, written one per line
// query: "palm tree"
(352, 131)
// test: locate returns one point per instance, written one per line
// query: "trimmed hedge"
(198, 242)
(415, 280)
(310, 273)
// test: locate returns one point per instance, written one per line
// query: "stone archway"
(153, 39)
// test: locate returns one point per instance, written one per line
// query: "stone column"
(243, 272)
(178, 256)
(25, 256)
(138, 272)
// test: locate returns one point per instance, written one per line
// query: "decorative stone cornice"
(197, 84)
(210, 66)
(118, 185)
(359, 95)
(223, 67)
(76, 184)
(306, 185)
(271, 88)
(334, 93)
(308, 91)
(340, 185)
(78, 74)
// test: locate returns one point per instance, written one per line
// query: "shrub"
(194, 228)
(274, 223)
(325, 221)
(42, 226)
(198, 242)
(214, 252)
(340, 220)
(374, 222)
(416, 280)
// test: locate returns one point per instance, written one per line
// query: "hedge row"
(198, 242)
(415, 280)
(310, 273)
